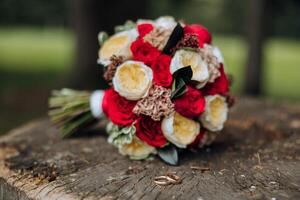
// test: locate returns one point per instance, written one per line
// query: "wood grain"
(256, 157)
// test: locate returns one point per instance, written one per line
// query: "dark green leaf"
(181, 77)
(186, 73)
(179, 88)
(169, 154)
(175, 36)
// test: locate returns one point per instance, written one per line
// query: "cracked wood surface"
(256, 157)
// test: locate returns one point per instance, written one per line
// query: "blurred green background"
(38, 41)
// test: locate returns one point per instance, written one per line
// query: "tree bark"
(257, 156)
(89, 17)
(255, 33)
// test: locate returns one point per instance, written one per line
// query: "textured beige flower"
(137, 149)
(208, 54)
(215, 114)
(157, 104)
(119, 45)
(180, 130)
(133, 80)
(158, 37)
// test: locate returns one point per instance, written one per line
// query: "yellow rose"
(133, 80)
(215, 114)
(184, 58)
(119, 45)
(137, 149)
(180, 130)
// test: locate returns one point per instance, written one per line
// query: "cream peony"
(137, 149)
(180, 130)
(133, 80)
(184, 58)
(119, 45)
(215, 113)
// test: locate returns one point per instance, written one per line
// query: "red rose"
(203, 34)
(105, 101)
(219, 86)
(161, 71)
(118, 109)
(198, 141)
(150, 131)
(144, 29)
(144, 51)
(191, 104)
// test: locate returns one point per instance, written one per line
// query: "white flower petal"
(166, 22)
(96, 103)
(215, 114)
(133, 80)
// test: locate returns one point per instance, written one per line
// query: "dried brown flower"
(112, 67)
(188, 41)
(157, 104)
(230, 100)
(158, 37)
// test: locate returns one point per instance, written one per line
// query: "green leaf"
(169, 154)
(185, 73)
(180, 88)
(118, 135)
(102, 37)
(127, 26)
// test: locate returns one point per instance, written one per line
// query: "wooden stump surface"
(256, 157)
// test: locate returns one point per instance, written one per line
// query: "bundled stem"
(69, 110)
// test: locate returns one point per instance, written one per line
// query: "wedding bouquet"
(169, 90)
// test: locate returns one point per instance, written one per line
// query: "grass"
(28, 49)
(32, 61)
(281, 71)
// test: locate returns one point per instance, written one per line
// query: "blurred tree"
(256, 27)
(88, 18)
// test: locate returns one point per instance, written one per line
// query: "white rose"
(184, 58)
(96, 103)
(119, 45)
(215, 114)
(166, 22)
(180, 130)
(133, 80)
(137, 149)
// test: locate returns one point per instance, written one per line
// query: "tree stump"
(257, 156)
